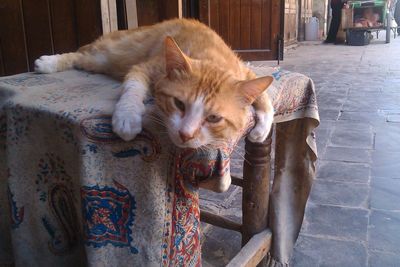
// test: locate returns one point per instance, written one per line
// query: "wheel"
(388, 27)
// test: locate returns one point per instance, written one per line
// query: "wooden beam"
(109, 15)
(112, 11)
(219, 221)
(105, 17)
(180, 12)
(131, 14)
(204, 12)
(254, 251)
(255, 198)
(237, 181)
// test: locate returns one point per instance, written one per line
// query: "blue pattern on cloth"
(108, 214)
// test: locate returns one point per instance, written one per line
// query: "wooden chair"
(256, 237)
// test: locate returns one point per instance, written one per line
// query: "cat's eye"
(213, 118)
(179, 104)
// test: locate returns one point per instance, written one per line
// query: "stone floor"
(353, 215)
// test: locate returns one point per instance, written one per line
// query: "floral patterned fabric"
(73, 193)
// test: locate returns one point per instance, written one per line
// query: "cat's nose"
(185, 136)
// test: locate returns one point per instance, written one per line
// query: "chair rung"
(254, 251)
(219, 221)
(237, 181)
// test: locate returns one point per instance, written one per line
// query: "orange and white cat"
(204, 91)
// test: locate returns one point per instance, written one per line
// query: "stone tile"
(360, 104)
(379, 259)
(343, 171)
(329, 114)
(360, 89)
(389, 97)
(220, 246)
(370, 103)
(339, 222)
(205, 263)
(384, 231)
(387, 137)
(365, 116)
(325, 129)
(237, 167)
(394, 118)
(389, 111)
(347, 154)
(321, 147)
(209, 205)
(322, 142)
(326, 125)
(233, 209)
(386, 164)
(327, 87)
(218, 198)
(391, 88)
(323, 133)
(341, 194)
(356, 135)
(331, 100)
(313, 251)
(372, 92)
(385, 194)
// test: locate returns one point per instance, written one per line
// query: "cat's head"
(201, 103)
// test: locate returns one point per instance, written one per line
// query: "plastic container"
(311, 29)
(358, 37)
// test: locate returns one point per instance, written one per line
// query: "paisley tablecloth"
(74, 194)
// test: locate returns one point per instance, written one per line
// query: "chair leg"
(256, 179)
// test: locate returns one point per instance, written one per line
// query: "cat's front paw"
(46, 64)
(262, 128)
(127, 122)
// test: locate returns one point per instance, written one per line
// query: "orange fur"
(177, 60)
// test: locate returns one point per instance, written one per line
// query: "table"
(73, 193)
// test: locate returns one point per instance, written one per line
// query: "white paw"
(263, 126)
(46, 64)
(127, 120)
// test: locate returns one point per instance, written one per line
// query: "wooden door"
(30, 29)
(304, 13)
(153, 11)
(291, 21)
(253, 28)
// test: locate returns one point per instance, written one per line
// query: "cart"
(353, 18)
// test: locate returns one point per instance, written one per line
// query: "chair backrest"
(256, 237)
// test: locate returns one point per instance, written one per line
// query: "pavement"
(353, 213)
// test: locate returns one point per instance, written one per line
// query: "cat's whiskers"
(156, 119)
(153, 116)
(237, 146)
(224, 142)
(241, 156)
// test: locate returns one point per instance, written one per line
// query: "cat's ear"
(250, 90)
(175, 59)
